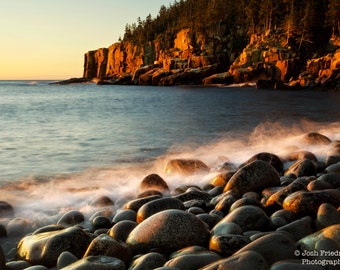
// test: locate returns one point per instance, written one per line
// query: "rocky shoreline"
(271, 212)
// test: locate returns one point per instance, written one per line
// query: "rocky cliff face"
(200, 59)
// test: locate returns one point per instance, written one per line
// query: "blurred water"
(49, 131)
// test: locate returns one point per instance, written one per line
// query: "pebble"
(227, 244)
(65, 258)
(299, 228)
(327, 215)
(71, 218)
(121, 230)
(6, 210)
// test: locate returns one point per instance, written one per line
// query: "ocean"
(62, 146)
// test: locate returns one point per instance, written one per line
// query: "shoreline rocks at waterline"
(261, 215)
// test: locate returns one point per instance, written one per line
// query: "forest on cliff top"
(310, 22)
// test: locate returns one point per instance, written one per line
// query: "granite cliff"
(276, 44)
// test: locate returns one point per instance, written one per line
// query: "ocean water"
(63, 146)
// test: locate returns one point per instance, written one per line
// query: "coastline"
(290, 202)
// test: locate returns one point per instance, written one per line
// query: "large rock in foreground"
(44, 248)
(168, 231)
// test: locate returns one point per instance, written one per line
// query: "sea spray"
(43, 197)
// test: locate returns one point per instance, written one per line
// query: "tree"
(333, 16)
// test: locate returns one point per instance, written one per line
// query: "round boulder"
(255, 176)
(248, 217)
(272, 159)
(315, 138)
(186, 166)
(153, 182)
(168, 231)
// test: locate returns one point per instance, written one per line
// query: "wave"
(43, 195)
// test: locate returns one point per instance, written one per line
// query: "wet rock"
(279, 196)
(276, 222)
(49, 228)
(287, 215)
(101, 202)
(221, 179)
(294, 265)
(122, 229)
(97, 262)
(186, 166)
(327, 215)
(210, 219)
(71, 218)
(242, 261)
(169, 230)
(137, 203)
(105, 245)
(16, 265)
(125, 214)
(299, 228)
(18, 227)
(44, 248)
(248, 218)
(304, 167)
(227, 244)
(6, 210)
(226, 228)
(65, 258)
(225, 203)
(270, 158)
(334, 168)
(154, 182)
(193, 193)
(37, 267)
(243, 202)
(255, 176)
(309, 242)
(158, 205)
(307, 203)
(274, 247)
(192, 261)
(318, 185)
(300, 155)
(150, 261)
(315, 138)
(101, 223)
(331, 178)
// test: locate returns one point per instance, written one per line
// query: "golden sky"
(45, 39)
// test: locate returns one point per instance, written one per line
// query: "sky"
(47, 39)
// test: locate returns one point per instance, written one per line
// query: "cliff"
(277, 44)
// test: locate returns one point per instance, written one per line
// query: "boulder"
(248, 217)
(6, 210)
(156, 206)
(121, 230)
(304, 167)
(168, 230)
(270, 158)
(153, 182)
(71, 218)
(44, 248)
(105, 245)
(186, 166)
(150, 261)
(307, 203)
(315, 138)
(273, 246)
(227, 244)
(255, 176)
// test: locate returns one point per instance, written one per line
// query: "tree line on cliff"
(310, 23)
